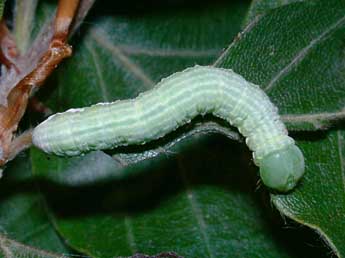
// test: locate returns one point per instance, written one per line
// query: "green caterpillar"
(174, 102)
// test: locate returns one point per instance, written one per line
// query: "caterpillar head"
(281, 170)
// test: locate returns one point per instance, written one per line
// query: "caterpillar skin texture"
(172, 103)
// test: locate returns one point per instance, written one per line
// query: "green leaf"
(26, 230)
(190, 203)
(2, 6)
(260, 7)
(320, 201)
(299, 62)
(196, 198)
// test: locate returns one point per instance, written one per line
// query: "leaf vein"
(196, 210)
(303, 52)
(38, 230)
(133, 50)
(239, 36)
(314, 118)
(125, 60)
(341, 158)
(130, 235)
(99, 73)
(13, 220)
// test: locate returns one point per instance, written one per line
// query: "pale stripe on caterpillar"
(173, 102)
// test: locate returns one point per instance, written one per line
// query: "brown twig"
(64, 17)
(83, 10)
(26, 78)
(8, 48)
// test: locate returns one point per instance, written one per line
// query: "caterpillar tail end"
(37, 140)
(281, 170)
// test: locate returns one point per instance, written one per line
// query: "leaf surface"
(300, 65)
(198, 197)
(26, 230)
(260, 7)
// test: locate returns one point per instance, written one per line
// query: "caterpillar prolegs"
(174, 102)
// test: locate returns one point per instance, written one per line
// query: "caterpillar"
(173, 102)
